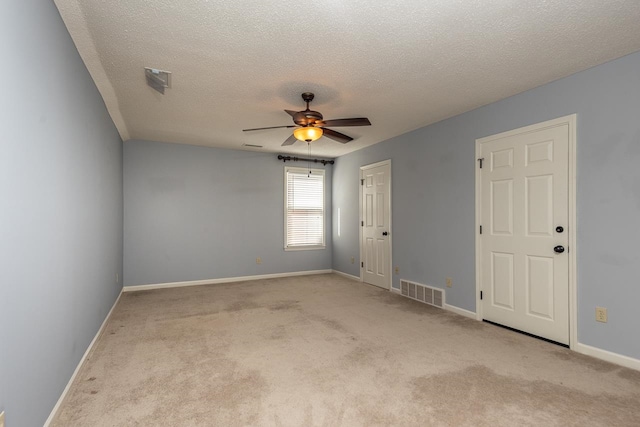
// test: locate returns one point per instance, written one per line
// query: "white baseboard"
(222, 280)
(618, 359)
(396, 290)
(348, 276)
(461, 311)
(84, 357)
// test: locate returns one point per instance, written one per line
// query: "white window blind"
(304, 208)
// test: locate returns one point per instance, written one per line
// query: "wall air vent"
(422, 293)
(252, 145)
(158, 79)
(405, 287)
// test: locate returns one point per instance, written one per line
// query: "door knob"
(558, 249)
(559, 229)
(385, 233)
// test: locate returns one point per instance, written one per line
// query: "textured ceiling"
(403, 64)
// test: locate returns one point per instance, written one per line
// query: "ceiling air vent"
(158, 79)
(252, 145)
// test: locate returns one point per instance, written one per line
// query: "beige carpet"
(327, 351)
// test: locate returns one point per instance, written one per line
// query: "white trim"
(135, 288)
(390, 227)
(84, 357)
(348, 276)
(375, 165)
(569, 120)
(302, 171)
(476, 230)
(573, 232)
(304, 248)
(461, 311)
(618, 359)
(396, 290)
(362, 169)
(360, 178)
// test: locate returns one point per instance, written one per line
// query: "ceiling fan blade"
(360, 121)
(336, 136)
(299, 117)
(270, 127)
(289, 141)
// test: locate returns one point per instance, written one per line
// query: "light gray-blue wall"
(199, 213)
(433, 192)
(60, 214)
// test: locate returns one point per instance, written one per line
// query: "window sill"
(304, 248)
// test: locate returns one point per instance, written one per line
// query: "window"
(304, 208)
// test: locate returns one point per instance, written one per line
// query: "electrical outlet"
(2, 419)
(353, 260)
(601, 314)
(258, 260)
(397, 270)
(449, 282)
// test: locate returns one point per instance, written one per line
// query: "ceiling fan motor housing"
(307, 117)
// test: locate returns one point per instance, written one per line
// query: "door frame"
(569, 120)
(360, 178)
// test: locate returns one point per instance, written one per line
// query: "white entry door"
(524, 184)
(376, 224)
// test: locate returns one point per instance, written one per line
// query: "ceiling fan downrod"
(308, 97)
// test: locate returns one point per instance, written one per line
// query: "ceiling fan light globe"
(307, 133)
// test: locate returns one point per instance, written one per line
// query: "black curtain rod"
(302, 159)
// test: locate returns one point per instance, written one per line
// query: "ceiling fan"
(310, 125)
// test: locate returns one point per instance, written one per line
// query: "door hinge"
(362, 182)
(480, 160)
(361, 223)
(480, 294)
(362, 264)
(480, 229)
